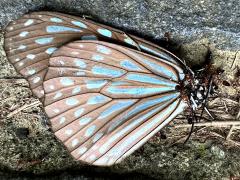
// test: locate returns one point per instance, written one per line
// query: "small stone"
(22, 133)
(217, 151)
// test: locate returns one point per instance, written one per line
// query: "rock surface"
(188, 28)
(186, 21)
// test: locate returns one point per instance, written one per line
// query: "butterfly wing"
(105, 100)
(30, 40)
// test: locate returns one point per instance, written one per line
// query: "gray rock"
(10, 9)
(186, 21)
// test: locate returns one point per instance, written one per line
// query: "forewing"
(30, 41)
(104, 100)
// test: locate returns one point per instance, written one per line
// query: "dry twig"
(24, 107)
(230, 133)
(208, 124)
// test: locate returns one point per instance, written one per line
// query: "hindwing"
(105, 100)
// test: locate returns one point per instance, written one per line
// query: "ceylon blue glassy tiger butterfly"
(105, 92)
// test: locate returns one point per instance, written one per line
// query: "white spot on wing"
(68, 132)
(28, 22)
(90, 131)
(31, 71)
(57, 95)
(78, 112)
(43, 41)
(129, 41)
(56, 110)
(80, 24)
(76, 90)
(51, 50)
(103, 49)
(84, 121)
(36, 79)
(80, 73)
(74, 142)
(21, 47)
(92, 157)
(82, 150)
(17, 59)
(75, 53)
(31, 56)
(51, 87)
(56, 20)
(61, 62)
(20, 63)
(97, 57)
(72, 102)
(66, 81)
(62, 120)
(24, 34)
(80, 63)
(97, 137)
(105, 32)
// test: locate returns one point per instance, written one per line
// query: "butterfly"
(105, 92)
